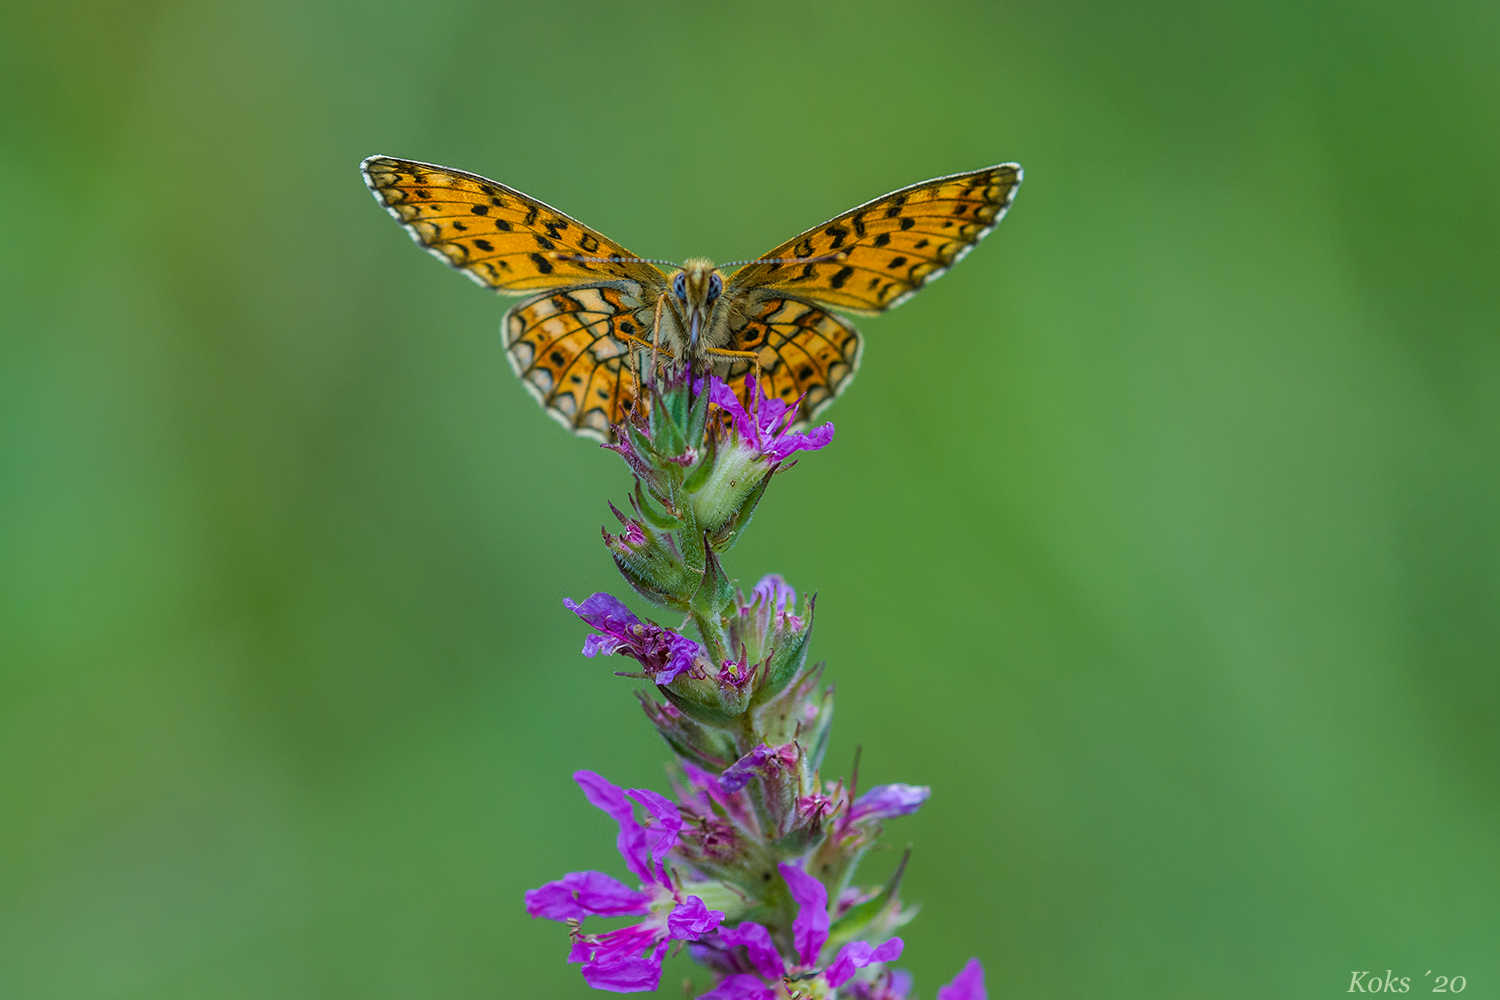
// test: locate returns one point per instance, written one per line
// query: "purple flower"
(663, 653)
(967, 985)
(765, 427)
(809, 935)
(627, 960)
(886, 801)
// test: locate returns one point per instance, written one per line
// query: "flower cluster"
(751, 865)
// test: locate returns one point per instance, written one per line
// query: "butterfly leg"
(752, 356)
(661, 300)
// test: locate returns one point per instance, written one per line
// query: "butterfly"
(594, 309)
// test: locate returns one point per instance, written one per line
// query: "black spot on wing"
(542, 263)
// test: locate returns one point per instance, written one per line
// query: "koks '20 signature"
(1392, 983)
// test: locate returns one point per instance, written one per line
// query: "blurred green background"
(1160, 538)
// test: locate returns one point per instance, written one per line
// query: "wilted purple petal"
(662, 834)
(681, 653)
(604, 612)
(582, 894)
(691, 920)
(758, 945)
(967, 985)
(757, 763)
(810, 929)
(740, 987)
(737, 775)
(885, 801)
(632, 839)
(600, 645)
(858, 954)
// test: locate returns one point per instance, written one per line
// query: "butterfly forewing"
(498, 236)
(890, 247)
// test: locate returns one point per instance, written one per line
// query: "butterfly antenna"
(836, 258)
(610, 260)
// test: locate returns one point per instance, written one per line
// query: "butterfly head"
(696, 289)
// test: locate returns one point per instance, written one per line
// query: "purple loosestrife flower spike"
(810, 929)
(967, 985)
(747, 718)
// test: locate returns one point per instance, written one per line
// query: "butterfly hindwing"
(568, 349)
(503, 239)
(804, 352)
(890, 247)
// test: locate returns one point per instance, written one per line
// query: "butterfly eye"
(679, 287)
(715, 286)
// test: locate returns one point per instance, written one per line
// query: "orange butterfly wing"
(890, 247)
(804, 351)
(503, 239)
(568, 349)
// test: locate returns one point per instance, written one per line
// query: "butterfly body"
(594, 309)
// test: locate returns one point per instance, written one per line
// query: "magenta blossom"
(627, 960)
(766, 426)
(888, 801)
(967, 985)
(663, 653)
(809, 935)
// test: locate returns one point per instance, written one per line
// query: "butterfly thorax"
(698, 310)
